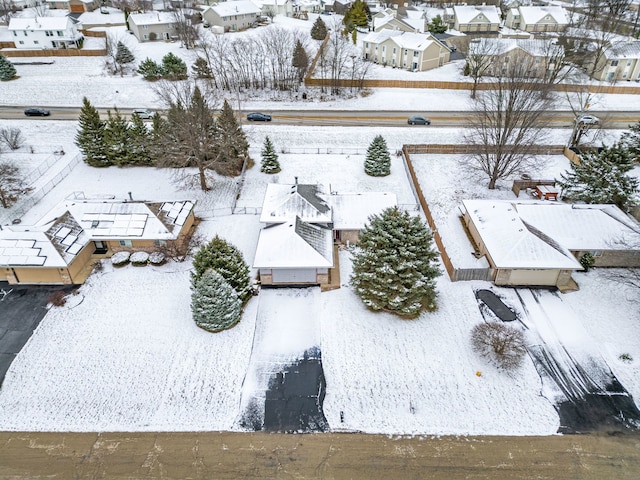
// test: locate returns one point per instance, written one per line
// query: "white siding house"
(233, 15)
(152, 26)
(45, 32)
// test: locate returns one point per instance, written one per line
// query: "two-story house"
(476, 18)
(412, 51)
(233, 15)
(45, 32)
(537, 19)
(620, 61)
(74, 6)
(152, 26)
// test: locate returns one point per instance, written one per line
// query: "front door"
(101, 247)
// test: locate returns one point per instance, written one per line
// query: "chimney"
(296, 180)
(130, 196)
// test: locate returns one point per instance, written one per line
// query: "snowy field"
(124, 353)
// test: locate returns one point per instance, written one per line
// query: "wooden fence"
(466, 149)
(53, 52)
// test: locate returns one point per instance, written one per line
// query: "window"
(394, 50)
(160, 243)
(145, 36)
(126, 243)
(384, 48)
(628, 63)
(25, 33)
(15, 34)
(60, 33)
(366, 44)
(145, 27)
(48, 33)
(614, 63)
(597, 253)
(36, 42)
(21, 42)
(416, 53)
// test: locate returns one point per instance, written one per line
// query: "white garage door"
(294, 275)
(533, 277)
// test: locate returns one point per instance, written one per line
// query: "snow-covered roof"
(583, 227)
(294, 244)
(533, 15)
(152, 18)
(28, 248)
(381, 36)
(500, 46)
(625, 49)
(39, 23)
(511, 243)
(409, 40)
(282, 202)
(467, 13)
(417, 23)
(237, 7)
(351, 211)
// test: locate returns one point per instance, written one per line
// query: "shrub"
(499, 343)
(215, 305)
(625, 357)
(139, 259)
(587, 261)
(120, 259)
(156, 258)
(58, 298)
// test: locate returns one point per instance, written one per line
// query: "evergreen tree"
(232, 145)
(357, 16)
(631, 141)
(173, 67)
(601, 177)
(201, 68)
(227, 260)
(394, 266)
(150, 70)
(116, 139)
(437, 25)
(319, 29)
(215, 305)
(300, 60)
(7, 70)
(378, 160)
(90, 136)
(270, 162)
(140, 142)
(123, 57)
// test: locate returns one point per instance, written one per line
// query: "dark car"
(418, 120)
(259, 117)
(37, 112)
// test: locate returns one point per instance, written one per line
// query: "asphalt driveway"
(21, 310)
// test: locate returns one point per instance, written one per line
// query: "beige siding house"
(476, 18)
(233, 15)
(621, 61)
(148, 27)
(537, 19)
(411, 51)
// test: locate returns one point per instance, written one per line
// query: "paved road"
(224, 455)
(388, 118)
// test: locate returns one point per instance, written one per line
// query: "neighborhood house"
(412, 51)
(152, 26)
(233, 15)
(45, 32)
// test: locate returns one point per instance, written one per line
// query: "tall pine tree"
(378, 161)
(319, 29)
(201, 68)
(300, 60)
(173, 67)
(232, 146)
(601, 178)
(215, 305)
(150, 70)
(357, 16)
(116, 139)
(90, 136)
(7, 70)
(631, 141)
(270, 162)
(395, 265)
(123, 57)
(227, 260)
(140, 151)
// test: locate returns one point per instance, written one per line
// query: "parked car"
(143, 113)
(587, 120)
(418, 120)
(258, 117)
(37, 112)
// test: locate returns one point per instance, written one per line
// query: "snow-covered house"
(152, 26)
(620, 61)
(388, 19)
(537, 19)
(74, 6)
(275, 7)
(539, 244)
(233, 16)
(22, 4)
(45, 32)
(302, 221)
(63, 249)
(476, 18)
(413, 51)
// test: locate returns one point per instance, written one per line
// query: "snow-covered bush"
(139, 259)
(156, 258)
(215, 305)
(499, 343)
(120, 259)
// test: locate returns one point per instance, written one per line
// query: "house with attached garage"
(233, 15)
(474, 18)
(152, 26)
(412, 51)
(303, 222)
(537, 19)
(541, 243)
(74, 6)
(619, 61)
(63, 249)
(45, 32)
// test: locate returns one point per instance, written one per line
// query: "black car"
(37, 112)
(418, 120)
(258, 117)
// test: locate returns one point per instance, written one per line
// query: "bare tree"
(12, 184)
(113, 62)
(506, 121)
(499, 343)
(7, 9)
(186, 29)
(481, 54)
(580, 101)
(11, 137)
(180, 249)
(133, 5)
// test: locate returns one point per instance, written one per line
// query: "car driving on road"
(258, 117)
(418, 120)
(37, 112)
(587, 119)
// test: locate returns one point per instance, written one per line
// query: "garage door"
(294, 275)
(533, 277)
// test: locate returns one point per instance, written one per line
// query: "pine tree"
(150, 70)
(437, 25)
(123, 57)
(319, 29)
(116, 139)
(300, 60)
(173, 67)
(270, 162)
(7, 70)
(90, 136)
(601, 177)
(140, 152)
(378, 160)
(394, 266)
(232, 145)
(201, 68)
(356, 16)
(215, 305)
(227, 260)
(631, 141)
